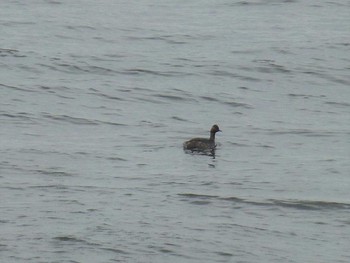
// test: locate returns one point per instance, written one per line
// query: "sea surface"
(97, 98)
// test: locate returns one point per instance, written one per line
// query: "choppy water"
(98, 96)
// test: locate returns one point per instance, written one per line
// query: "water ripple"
(5, 52)
(296, 204)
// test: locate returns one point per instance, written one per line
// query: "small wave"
(238, 144)
(237, 104)
(177, 39)
(296, 204)
(53, 89)
(309, 205)
(245, 3)
(51, 186)
(79, 69)
(57, 91)
(5, 52)
(339, 104)
(100, 70)
(337, 80)
(79, 27)
(79, 121)
(249, 3)
(202, 199)
(139, 71)
(53, 2)
(110, 97)
(224, 73)
(73, 120)
(20, 117)
(247, 51)
(12, 188)
(116, 159)
(144, 99)
(209, 98)
(328, 77)
(304, 96)
(178, 118)
(170, 39)
(304, 132)
(224, 254)
(229, 103)
(266, 146)
(53, 172)
(69, 238)
(16, 88)
(172, 97)
(115, 250)
(269, 66)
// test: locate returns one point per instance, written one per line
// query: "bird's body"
(202, 144)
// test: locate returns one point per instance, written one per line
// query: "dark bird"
(203, 144)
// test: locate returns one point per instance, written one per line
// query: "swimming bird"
(203, 144)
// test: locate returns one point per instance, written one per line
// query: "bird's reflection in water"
(209, 152)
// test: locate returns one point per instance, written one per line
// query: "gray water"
(97, 98)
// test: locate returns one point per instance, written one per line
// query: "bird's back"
(200, 144)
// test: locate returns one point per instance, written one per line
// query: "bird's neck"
(212, 136)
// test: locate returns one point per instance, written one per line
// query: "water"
(97, 98)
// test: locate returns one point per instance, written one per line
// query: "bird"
(203, 144)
